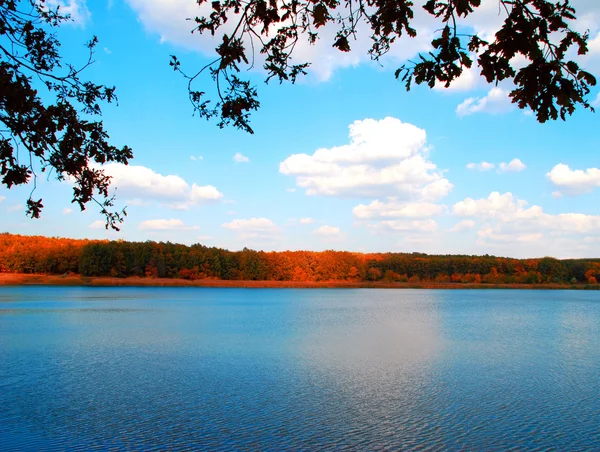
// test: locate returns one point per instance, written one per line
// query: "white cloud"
(495, 102)
(574, 182)
(290, 190)
(107, 50)
(395, 209)
(414, 226)
(514, 166)
(509, 226)
(327, 231)
(495, 206)
(384, 158)
(76, 9)
(493, 235)
(591, 61)
(463, 225)
(483, 166)
(240, 158)
(596, 102)
(511, 215)
(416, 240)
(306, 220)
(468, 80)
(194, 158)
(67, 211)
(137, 202)
(16, 208)
(253, 228)
(164, 225)
(168, 20)
(141, 183)
(2, 198)
(98, 224)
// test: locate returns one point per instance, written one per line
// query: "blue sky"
(344, 159)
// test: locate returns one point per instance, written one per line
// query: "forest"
(121, 259)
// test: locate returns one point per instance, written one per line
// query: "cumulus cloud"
(240, 158)
(483, 166)
(253, 228)
(468, 80)
(98, 224)
(514, 166)
(144, 184)
(76, 9)
(165, 225)
(494, 235)
(507, 216)
(591, 61)
(306, 220)
(463, 225)
(413, 226)
(496, 101)
(393, 208)
(574, 182)
(327, 231)
(168, 20)
(194, 158)
(384, 158)
(67, 211)
(496, 206)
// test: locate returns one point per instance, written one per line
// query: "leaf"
(320, 15)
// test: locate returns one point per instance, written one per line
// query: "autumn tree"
(551, 83)
(48, 112)
(31, 254)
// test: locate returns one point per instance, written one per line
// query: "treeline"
(35, 254)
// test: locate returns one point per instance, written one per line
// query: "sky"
(344, 159)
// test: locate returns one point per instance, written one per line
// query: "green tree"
(55, 131)
(551, 84)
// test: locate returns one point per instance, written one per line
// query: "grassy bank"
(19, 279)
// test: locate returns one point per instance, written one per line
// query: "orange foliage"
(119, 259)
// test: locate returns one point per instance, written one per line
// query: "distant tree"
(47, 111)
(374, 274)
(550, 84)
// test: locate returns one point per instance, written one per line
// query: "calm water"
(248, 369)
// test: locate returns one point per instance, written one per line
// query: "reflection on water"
(222, 369)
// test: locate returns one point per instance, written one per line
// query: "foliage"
(30, 254)
(551, 84)
(54, 131)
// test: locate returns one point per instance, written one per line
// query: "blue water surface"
(294, 369)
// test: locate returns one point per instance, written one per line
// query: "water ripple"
(299, 370)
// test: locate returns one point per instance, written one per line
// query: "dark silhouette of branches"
(60, 135)
(550, 84)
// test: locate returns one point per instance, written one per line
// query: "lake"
(293, 369)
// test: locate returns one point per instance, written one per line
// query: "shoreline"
(19, 279)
